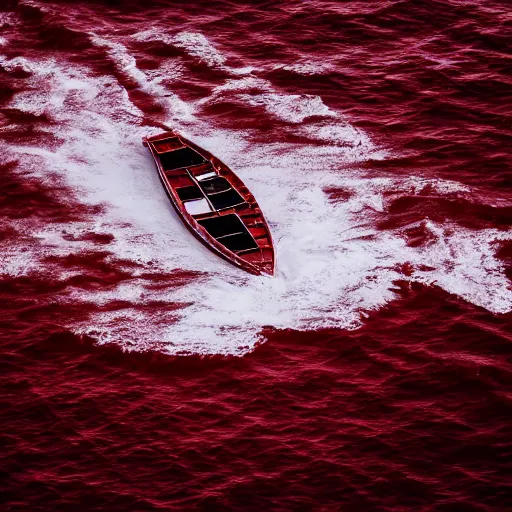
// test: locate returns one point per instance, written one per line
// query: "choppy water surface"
(373, 372)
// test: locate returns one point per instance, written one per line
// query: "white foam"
(333, 265)
(465, 265)
(240, 85)
(26, 65)
(306, 67)
(251, 90)
(127, 64)
(294, 108)
(334, 128)
(196, 45)
(8, 19)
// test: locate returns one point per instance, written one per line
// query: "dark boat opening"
(189, 193)
(239, 242)
(180, 158)
(230, 231)
(223, 225)
(226, 199)
(215, 185)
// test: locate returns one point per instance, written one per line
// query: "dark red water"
(374, 372)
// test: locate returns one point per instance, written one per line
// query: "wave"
(335, 266)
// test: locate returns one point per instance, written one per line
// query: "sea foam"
(334, 267)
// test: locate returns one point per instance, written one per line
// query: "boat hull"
(213, 203)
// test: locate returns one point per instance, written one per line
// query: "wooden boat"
(213, 202)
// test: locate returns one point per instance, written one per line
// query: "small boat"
(213, 202)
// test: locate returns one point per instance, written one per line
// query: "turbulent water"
(139, 371)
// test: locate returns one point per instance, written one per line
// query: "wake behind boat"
(213, 202)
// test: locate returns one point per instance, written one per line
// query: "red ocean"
(373, 372)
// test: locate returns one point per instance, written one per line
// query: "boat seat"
(201, 168)
(176, 173)
(205, 176)
(227, 199)
(248, 251)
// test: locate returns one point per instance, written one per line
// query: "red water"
(373, 372)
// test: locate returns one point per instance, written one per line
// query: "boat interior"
(211, 199)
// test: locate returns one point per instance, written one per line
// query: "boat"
(213, 202)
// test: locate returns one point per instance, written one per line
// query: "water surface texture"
(138, 371)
